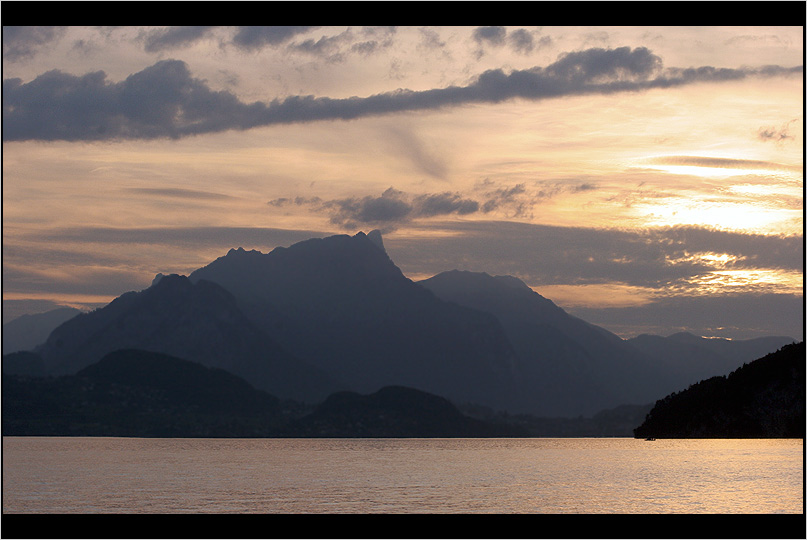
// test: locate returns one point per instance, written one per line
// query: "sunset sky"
(647, 179)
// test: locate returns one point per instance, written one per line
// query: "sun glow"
(759, 216)
(747, 281)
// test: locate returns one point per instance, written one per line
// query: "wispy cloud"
(180, 193)
(24, 42)
(175, 36)
(721, 163)
(777, 134)
(166, 101)
(257, 37)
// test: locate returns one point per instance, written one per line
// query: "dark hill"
(764, 398)
(139, 394)
(209, 390)
(393, 411)
(134, 393)
(23, 363)
(342, 305)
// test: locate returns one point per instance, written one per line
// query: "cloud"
(664, 265)
(425, 160)
(522, 41)
(664, 258)
(165, 101)
(175, 37)
(722, 163)
(24, 42)
(388, 211)
(251, 38)
(440, 204)
(180, 193)
(161, 101)
(518, 201)
(780, 134)
(493, 35)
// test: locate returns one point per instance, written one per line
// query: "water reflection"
(83, 475)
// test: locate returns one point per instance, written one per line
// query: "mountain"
(687, 358)
(393, 411)
(24, 363)
(336, 314)
(764, 398)
(568, 367)
(340, 304)
(200, 322)
(137, 393)
(27, 331)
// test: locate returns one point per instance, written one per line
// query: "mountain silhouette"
(138, 393)
(686, 358)
(336, 314)
(568, 367)
(393, 411)
(764, 398)
(199, 322)
(27, 331)
(24, 363)
(342, 305)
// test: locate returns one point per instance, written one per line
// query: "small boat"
(650, 439)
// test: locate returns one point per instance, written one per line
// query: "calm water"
(618, 476)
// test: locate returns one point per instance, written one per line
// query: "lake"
(92, 475)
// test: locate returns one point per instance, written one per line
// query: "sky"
(646, 179)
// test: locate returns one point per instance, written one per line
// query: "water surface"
(548, 476)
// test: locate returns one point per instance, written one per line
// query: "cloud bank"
(166, 101)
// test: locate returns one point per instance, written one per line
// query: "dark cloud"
(161, 101)
(521, 41)
(494, 35)
(524, 42)
(441, 204)
(257, 37)
(387, 211)
(174, 37)
(655, 258)
(164, 100)
(518, 201)
(509, 197)
(325, 47)
(24, 42)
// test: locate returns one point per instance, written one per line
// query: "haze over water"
(510, 476)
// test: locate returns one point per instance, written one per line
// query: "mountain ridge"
(336, 313)
(199, 321)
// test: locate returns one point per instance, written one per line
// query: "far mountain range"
(336, 314)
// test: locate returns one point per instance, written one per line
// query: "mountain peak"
(375, 237)
(240, 252)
